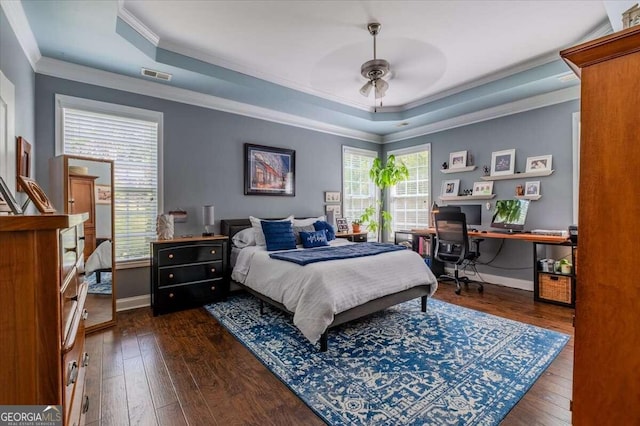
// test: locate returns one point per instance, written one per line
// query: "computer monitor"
(473, 213)
(510, 214)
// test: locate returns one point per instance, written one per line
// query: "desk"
(550, 287)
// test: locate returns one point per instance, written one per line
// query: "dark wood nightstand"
(355, 237)
(188, 272)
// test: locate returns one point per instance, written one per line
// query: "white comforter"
(315, 293)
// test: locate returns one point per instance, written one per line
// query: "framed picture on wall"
(482, 188)
(532, 188)
(450, 187)
(458, 160)
(332, 197)
(335, 208)
(538, 164)
(269, 171)
(103, 194)
(503, 162)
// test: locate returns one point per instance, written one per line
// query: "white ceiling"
(318, 46)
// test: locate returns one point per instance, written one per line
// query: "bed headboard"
(231, 227)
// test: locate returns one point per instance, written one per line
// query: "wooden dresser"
(42, 316)
(606, 372)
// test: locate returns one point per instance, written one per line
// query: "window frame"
(365, 152)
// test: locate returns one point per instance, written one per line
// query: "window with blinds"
(410, 201)
(359, 192)
(133, 146)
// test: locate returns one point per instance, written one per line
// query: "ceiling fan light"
(366, 89)
(381, 88)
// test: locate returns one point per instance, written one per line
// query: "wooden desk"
(522, 236)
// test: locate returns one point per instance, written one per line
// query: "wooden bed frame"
(230, 227)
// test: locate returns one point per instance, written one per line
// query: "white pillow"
(244, 238)
(310, 221)
(256, 224)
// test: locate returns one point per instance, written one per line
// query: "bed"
(324, 295)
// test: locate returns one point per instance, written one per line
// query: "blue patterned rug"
(103, 287)
(450, 366)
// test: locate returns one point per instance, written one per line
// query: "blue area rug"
(103, 287)
(450, 366)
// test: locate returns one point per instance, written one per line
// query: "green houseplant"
(383, 177)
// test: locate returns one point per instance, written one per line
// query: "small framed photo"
(458, 159)
(482, 188)
(342, 225)
(537, 164)
(503, 162)
(450, 187)
(7, 202)
(36, 195)
(335, 208)
(23, 166)
(332, 197)
(532, 188)
(103, 194)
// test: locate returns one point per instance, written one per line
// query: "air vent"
(155, 74)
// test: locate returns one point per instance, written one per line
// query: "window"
(359, 192)
(410, 201)
(131, 138)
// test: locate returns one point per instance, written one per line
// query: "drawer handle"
(81, 238)
(170, 275)
(213, 287)
(85, 405)
(68, 249)
(170, 255)
(72, 373)
(553, 278)
(213, 252)
(85, 314)
(213, 269)
(171, 295)
(85, 359)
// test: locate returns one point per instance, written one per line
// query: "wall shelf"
(466, 197)
(519, 175)
(529, 197)
(459, 169)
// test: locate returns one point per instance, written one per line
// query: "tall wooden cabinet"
(82, 199)
(606, 380)
(43, 313)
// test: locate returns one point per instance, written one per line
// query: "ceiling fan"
(375, 69)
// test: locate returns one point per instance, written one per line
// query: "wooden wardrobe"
(82, 199)
(606, 376)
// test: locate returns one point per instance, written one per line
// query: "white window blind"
(359, 192)
(410, 200)
(133, 146)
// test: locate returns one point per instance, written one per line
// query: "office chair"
(452, 246)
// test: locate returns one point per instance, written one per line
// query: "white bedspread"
(315, 293)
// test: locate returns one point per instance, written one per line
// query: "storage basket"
(555, 287)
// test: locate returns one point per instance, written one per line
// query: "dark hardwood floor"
(185, 368)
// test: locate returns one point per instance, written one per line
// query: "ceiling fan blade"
(366, 89)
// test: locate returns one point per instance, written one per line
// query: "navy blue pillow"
(321, 224)
(314, 239)
(278, 235)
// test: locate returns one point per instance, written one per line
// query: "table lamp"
(434, 209)
(207, 220)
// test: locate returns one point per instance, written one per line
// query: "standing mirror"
(85, 185)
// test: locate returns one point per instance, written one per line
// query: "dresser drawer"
(68, 302)
(193, 253)
(73, 376)
(69, 250)
(188, 296)
(362, 238)
(171, 276)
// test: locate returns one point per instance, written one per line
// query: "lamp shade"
(208, 217)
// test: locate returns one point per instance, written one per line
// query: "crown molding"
(503, 110)
(137, 24)
(20, 26)
(83, 74)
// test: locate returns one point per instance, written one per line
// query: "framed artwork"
(540, 163)
(482, 188)
(36, 195)
(450, 187)
(269, 171)
(103, 194)
(335, 208)
(458, 159)
(7, 202)
(342, 225)
(332, 197)
(503, 162)
(532, 188)
(23, 157)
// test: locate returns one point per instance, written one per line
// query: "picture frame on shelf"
(37, 196)
(458, 160)
(342, 224)
(503, 162)
(482, 188)
(8, 203)
(332, 197)
(269, 170)
(23, 159)
(539, 163)
(532, 188)
(450, 187)
(335, 208)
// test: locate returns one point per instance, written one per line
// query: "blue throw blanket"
(304, 257)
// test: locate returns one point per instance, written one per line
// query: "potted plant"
(565, 266)
(355, 225)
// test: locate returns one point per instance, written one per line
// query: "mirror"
(85, 185)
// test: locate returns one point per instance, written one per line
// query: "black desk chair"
(452, 246)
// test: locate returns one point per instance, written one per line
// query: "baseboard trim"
(134, 302)
(497, 279)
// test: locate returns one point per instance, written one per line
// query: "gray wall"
(203, 160)
(538, 132)
(16, 68)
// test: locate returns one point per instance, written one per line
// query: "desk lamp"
(207, 220)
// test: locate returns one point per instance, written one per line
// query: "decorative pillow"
(314, 239)
(244, 238)
(308, 222)
(278, 235)
(298, 229)
(256, 224)
(321, 224)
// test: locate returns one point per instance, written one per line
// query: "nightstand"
(355, 237)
